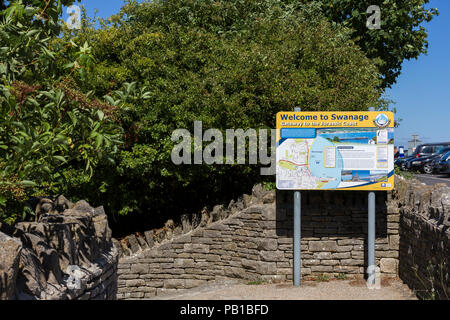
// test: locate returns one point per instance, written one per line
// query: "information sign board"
(335, 150)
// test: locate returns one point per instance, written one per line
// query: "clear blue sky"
(105, 8)
(422, 92)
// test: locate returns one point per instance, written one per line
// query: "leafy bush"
(229, 64)
(48, 127)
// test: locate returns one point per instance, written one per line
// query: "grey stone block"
(134, 246)
(330, 246)
(174, 284)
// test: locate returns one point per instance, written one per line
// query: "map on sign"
(355, 154)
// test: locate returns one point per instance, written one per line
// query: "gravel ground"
(390, 289)
(431, 179)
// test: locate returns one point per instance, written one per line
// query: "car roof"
(433, 144)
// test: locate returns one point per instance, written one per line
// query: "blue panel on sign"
(298, 133)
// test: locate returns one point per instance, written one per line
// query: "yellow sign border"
(316, 120)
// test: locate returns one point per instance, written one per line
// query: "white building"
(413, 143)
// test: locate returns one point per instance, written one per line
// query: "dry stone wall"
(251, 239)
(67, 253)
(424, 252)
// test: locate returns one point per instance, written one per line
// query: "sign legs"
(297, 231)
(371, 240)
(297, 237)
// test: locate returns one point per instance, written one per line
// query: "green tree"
(229, 64)
(45, 13)
(402, 35)
(48, 127)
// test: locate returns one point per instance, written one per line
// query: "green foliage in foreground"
(409, 175)
(48, 127)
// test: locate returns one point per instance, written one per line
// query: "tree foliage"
(48, 127)
(229, 64)
(402, 35)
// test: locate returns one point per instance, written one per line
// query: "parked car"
(425, 164)
(408, 164)
(444, 163)
(401, 162)
(428, 149)
(435, 164)
(423, 150)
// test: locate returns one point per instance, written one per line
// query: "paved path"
(390, 289)
(431, 179)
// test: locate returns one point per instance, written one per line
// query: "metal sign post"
(297, 233)
(371, 240)
(371, 235)
(297, 238)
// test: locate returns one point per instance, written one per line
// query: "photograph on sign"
(335, 150)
